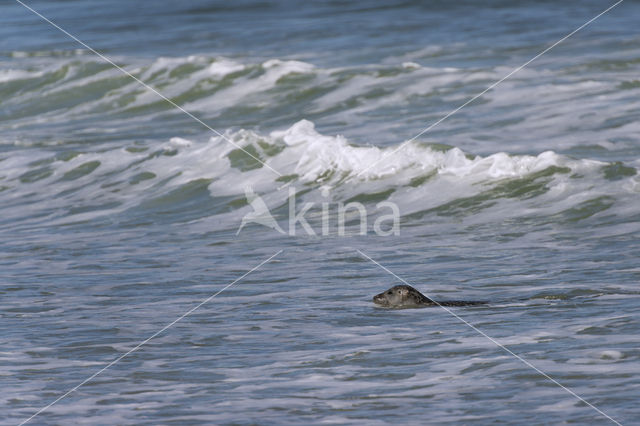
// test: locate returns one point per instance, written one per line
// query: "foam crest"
(223, 67)
(319, 155)
(247, 87)
(11, 74)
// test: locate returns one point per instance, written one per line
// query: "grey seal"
(405, 296)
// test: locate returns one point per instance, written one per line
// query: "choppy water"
(119, 213)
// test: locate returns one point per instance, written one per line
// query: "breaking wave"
(208, 177)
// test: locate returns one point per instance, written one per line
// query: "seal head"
(402, 296)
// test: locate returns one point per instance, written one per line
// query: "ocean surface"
(121, 213)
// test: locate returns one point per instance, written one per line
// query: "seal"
(405, 296)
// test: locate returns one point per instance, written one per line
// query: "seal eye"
(389, 292)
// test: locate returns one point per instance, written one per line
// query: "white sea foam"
(444, 175)
(223, 67)
(11, 74)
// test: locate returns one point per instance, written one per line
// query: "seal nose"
(378, 298)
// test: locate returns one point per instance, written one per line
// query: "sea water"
(120, 213)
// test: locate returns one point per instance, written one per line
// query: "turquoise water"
(120, 213)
